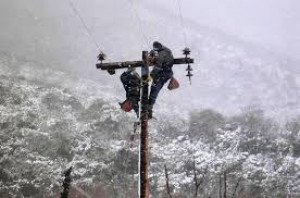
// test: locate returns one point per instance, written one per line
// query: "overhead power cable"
(139, 21)
(87, 29)
(182, 22)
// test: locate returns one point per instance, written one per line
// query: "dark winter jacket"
(131, 82)
(163, 62)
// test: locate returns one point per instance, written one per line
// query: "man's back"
(164, 58)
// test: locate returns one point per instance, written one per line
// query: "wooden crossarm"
(121, 65)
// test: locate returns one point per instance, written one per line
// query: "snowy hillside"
(229, 74)
(46, 128)
(234, 132)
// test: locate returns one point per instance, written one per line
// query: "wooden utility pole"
(144, 146)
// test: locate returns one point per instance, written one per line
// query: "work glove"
(149, 79)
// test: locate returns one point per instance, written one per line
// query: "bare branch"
(236, 186)
(197, 182)
(167, 182)
(225, 184)
(220, 186)
(66, 183)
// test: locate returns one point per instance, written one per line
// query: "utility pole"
(144, 147)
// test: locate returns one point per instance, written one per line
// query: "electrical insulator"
(101, 57)
(187, 52)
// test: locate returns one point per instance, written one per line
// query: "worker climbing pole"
(148, 59)
(144, 65)
(156, 58)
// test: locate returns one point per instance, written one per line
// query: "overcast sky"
(272, 24)
(50, 32)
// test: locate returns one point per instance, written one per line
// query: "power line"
(87, 29)
(182, 22)
(139, 21)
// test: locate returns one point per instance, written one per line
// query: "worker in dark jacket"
(161, 72)
(131, 82)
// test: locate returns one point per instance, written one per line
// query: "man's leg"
(155, 89)
(134, 96)
(136, 108)
(156, 86)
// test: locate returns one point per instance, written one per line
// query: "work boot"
(126, 105)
